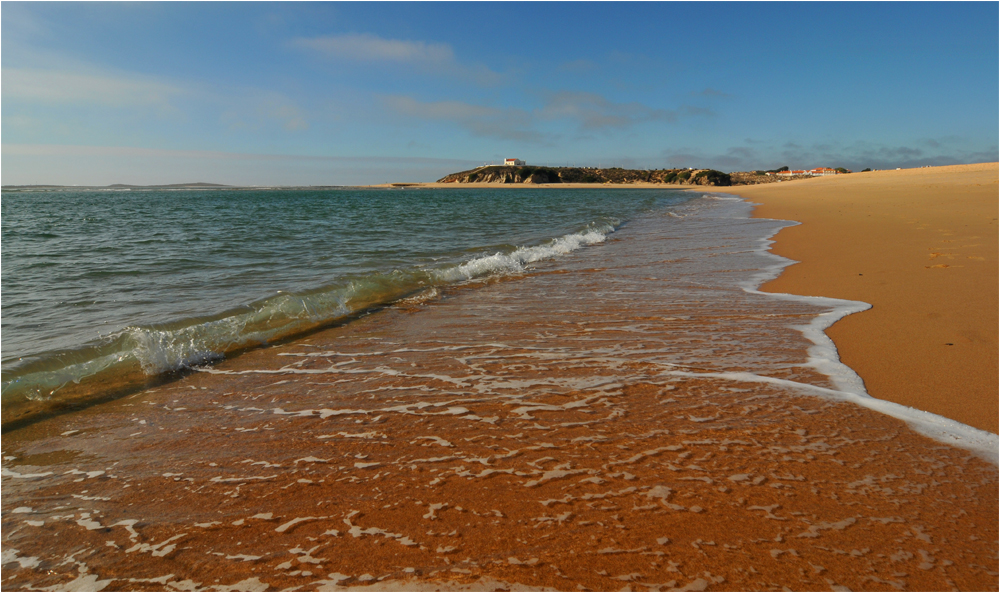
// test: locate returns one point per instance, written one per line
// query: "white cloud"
(54, 86)
(21, 24)
(587, 111)
(371, 48)
(434, 58)
(710, 92)
(239, 108)
(508, 124)
(447, 110)
(255, 111)
(594, 112)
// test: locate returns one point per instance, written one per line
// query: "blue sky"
(318, 93)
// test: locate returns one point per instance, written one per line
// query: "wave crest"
(134, 354)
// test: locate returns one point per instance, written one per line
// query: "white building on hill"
(513, 162)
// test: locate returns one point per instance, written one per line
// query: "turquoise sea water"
(108, 283)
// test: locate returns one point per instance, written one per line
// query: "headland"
(589, 177)
(574, 177)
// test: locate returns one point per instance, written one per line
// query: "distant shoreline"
(741, 179)
(429, 185)
(171, 186)
(478, 185)
(198, 185)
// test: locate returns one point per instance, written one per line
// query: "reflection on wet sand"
(600, 423)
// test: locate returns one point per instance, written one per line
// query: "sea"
(467, 388)
(106, 291)
(128, 285)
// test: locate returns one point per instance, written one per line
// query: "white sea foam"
(823, 357)
(515, 261)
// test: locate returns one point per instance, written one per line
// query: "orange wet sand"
(919, 245)
(754, 492)
(695, 483)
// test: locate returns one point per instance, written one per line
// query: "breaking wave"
(134, 355)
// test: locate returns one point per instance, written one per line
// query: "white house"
(513, 162)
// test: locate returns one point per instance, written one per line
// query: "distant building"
(513, 162)
(817, 172)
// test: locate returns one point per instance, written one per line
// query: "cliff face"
(536, 175)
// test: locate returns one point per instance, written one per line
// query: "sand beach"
(632, 414)
(650, 329)
(919, 245)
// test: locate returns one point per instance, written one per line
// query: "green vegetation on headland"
(614, 175)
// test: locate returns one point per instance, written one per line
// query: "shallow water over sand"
(626, 415)
(132, 285)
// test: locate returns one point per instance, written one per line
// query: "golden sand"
(919, 245)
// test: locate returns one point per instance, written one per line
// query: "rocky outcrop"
(614, 175)
(757, 178)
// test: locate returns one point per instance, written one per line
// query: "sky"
(360, 93)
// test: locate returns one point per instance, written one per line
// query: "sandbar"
(920, 246)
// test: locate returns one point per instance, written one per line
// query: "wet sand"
(624, 417)
(920, 245)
